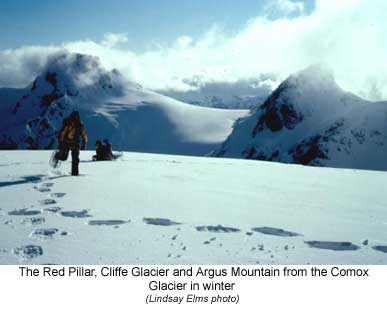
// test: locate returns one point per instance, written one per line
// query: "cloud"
(114, 39)
(347, 35)
(19, 66)
(284, 7)
(244, 92)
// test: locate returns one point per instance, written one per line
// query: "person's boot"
(74, 169)
(75, 162)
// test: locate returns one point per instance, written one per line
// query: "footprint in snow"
(47, 202)
(275, 231)
(24, 212)
(380, 248)
(59, 195)
(44, 234)
(174, 162)
(33, 220)
(76, 214)
(53, 209)
(333, 245)
(207, 242)
(27, 252)
(43, 190)
(217, 229)
(107, 222)
(47, 184)
(159, 221)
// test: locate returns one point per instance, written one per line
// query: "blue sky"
(166, 44)
(44, 22)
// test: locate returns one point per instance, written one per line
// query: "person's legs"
(63, 153)
(75, 160)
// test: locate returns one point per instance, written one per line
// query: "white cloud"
(347, 35)
(19, 66)
(114, 39)
(284, 7)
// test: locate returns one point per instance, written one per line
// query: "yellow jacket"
(72, 132)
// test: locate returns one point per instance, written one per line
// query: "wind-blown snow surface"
(159, 209)
(111, 107)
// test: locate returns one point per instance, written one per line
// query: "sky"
(168, 44)
(146, 23)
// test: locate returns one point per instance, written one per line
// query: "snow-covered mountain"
(310, 120)
(111, 107)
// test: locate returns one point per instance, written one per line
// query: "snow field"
(159, 209)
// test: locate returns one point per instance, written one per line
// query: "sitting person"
(103, 151)
(108, 149)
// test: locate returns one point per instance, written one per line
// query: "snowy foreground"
(159, 209)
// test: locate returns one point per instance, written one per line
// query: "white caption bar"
(203, 286)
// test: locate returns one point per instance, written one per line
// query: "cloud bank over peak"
(346, 35)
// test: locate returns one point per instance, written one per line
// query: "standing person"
(69, 139)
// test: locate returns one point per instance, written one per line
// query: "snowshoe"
(54, 162)
(117, 155)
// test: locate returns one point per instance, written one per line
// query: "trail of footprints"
(34, 218)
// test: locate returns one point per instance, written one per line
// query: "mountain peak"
(69, 72)
(317, 70)
(317, 77)
(74, 63)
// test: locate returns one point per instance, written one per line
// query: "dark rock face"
(312, 149)
(6, 143)
(41, 128)
(5, 146)
(51, 78)
(272, 120)
(252, 153)
(289, 116)
(249, 153)
(308, 151)
(47, 99)
(277, 112)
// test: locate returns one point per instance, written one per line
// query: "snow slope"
(310, 120)
(111, 107)
(161, 209)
